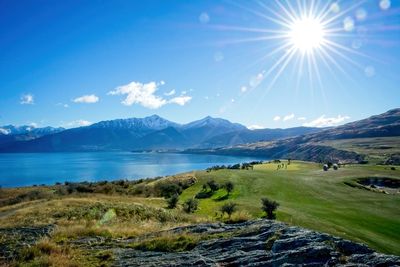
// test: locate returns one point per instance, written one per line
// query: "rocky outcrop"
(12, 240)
(254, 243)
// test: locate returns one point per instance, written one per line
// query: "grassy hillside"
(377, 149)
(330, 202)
(315, 199)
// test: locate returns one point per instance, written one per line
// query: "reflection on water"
(48, 168)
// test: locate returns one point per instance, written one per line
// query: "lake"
(24, 169)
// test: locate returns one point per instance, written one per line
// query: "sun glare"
(306, 34)
(310, 37)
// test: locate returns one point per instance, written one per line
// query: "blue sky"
(69, 63)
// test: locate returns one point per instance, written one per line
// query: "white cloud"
(180, 100)
(326, 122)
(144, 94)
(27, 99)
(301, 118)
(277, 118)
(78, 123)
(288, 117)
(243, 89)
(33, 124)
(62, 105)
(255, 127)
(172, 92)
(88, 99)
(4, 131)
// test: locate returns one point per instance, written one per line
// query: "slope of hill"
(250, 136)
(313, 146)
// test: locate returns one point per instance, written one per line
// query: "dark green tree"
(173, 201)
(190, 205)
(269, 207)
(228, 208)
(214, 186)
(229, 187)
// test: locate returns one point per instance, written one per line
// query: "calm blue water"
(21, 169)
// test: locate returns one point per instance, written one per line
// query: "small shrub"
(167, 189)
(229, 187)
(269, 207)
(191, 205)
(173, 201)
(239, 217)
(213, 185)
(228, 208)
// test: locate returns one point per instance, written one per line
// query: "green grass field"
(314, 199)
(308, 197)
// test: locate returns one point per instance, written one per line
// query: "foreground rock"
(13, 240)
(255, 243)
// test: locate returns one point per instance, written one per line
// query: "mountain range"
(313, 146)
(149, 133)
(10, 134)
(208, 135)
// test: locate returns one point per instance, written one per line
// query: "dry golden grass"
(47, 253)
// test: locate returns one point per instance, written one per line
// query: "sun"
(306, 34)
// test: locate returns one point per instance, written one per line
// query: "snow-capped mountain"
(213, 122)
(25, 129)
(153, 122)
(151, 132)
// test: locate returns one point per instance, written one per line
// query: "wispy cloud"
(326, 122)
(277, 118)
(288, 117)
(172, 92)
(27, 99)
(144, 95)
(77, 123)
(33, 125)
(88, 99)
(255, 127)
(62, 105)
(301, 118)
(180, 100)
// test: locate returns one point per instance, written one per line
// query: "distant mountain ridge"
(10, 133)
(311, 147)
(150, 133)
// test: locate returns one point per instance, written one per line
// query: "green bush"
(168, 189)
(269, 207)
(190, 205)
(173, 201)
(229, 187)
(228, 208)
(213, 185)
